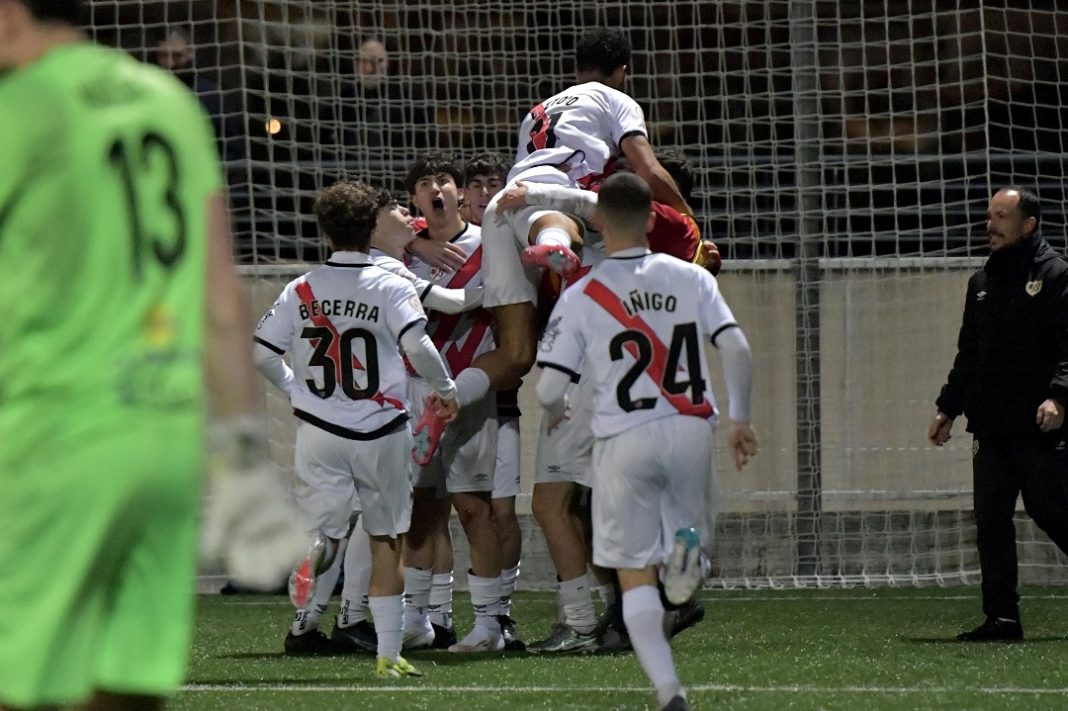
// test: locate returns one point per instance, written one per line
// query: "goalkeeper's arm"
(250, 523)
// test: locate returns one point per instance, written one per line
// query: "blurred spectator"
(175, 53)
(378, 109)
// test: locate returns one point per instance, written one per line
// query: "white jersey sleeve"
(563, 343)
(715, 314)
(278, 327)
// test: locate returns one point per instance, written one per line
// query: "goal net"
(843, 152)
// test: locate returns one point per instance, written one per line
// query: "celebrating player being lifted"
(343, 322)
(635, 325)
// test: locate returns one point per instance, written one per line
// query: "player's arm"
(553, 384)
(643, 162)
(273, 366)
(453, 301)
(250, 522)
(571, 201)
(426, 361)
(737, 362)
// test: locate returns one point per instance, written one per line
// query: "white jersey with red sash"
(460, 338)
(342, 323)
(638, 323)
(578, 130)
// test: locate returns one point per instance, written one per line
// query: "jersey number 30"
(150, 166)
(334, 355)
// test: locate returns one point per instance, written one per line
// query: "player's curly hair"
(347, 212)
(433, 164)
(486, 164)
(68, 11)
(602, 50)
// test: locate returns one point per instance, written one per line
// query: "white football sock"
(471, 384)
(440, 608)
(357, 578)
(554, 236)
(387, 611)
(417, 583)
(643, 614)
(578, 604)
(508, 581)
(486, 599)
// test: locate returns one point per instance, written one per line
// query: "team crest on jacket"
(1033, 287)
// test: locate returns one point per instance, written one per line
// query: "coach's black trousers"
(1002, 469)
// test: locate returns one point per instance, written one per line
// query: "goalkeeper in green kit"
(119, 305)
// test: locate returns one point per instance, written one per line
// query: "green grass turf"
(796, 649)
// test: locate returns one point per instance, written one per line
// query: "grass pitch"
(796, 649)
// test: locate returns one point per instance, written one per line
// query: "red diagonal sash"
(611, 303)
(333, 351)
(445, 325)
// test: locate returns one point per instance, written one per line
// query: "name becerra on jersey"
(638, 301)
(338, 307)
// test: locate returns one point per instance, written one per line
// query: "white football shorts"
(564, 454)
(648, 482)
(336, 475)
(506, 474)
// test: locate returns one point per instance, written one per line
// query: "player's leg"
(554, 240)
(628, 525)
(326, 493)
(428, 510)
(506, 486)
(303, 636)
(380, 469)
(439, 609)
(561, 472)
(352, 628)
(469, 454)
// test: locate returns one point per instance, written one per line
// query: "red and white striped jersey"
(637, 324)
(579, 130)
(342, 323)
(460, 338)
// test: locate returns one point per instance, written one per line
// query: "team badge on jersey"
(1033, 287)
(552, 330)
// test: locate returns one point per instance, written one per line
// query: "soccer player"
(463, 465)
(348, 386)
(484, 176)
(636, 324)
(120, 301)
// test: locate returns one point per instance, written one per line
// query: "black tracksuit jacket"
(1012, 352)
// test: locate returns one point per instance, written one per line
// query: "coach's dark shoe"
(683, 617)
(677, 703)
(512, 643)
(995, 629)
(310, 644)
(444, 637)
(360, 637)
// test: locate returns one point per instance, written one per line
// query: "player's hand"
(513, 198)
(250, 521)
(443, 255)
(743, 443)
(938, 431)
(445, 410)
(710, 258)
(1050, 415)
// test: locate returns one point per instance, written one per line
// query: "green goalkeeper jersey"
(107, 165)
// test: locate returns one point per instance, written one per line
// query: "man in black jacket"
(1010, 378)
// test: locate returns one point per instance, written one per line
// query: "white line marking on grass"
(423, 689)
(771, 597)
